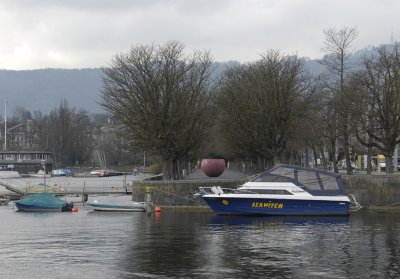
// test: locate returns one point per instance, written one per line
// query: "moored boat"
(282, 190)
(43, 202)
(106, 172)
(116, 204)
(40, 174)
(61, 172)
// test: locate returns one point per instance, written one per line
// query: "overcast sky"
(88, 33)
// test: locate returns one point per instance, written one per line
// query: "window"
(264, 191)
(271, 178)
(289, 172)
(309, 179)
(329, 182)
(271, 192)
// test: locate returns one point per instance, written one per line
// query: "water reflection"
(276, 220)
(169, 246)
(208, 246)
(198, 245)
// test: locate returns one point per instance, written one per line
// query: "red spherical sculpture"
(213, 167)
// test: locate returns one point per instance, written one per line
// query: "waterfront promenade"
(381, 191)
(229, 173)
(369, 190)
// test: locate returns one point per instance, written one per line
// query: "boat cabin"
(314, 181)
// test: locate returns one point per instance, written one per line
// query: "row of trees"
(171, 105)
(373, 95)
(364, 98)
(174, 107)
(66, 133)
(73, 136)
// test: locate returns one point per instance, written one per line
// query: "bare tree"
(65, 133)
(361, 113)
(260, 102)
(81, 138)
(161, 97)
(337, 46)
(378, 103)
(310, 129)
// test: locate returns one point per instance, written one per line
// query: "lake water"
(194, 244)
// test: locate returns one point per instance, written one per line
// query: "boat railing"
(354, 204)
(214, 190)
(217, 190)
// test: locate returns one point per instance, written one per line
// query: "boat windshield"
(263, 191)
(268, 177)
(314, 181)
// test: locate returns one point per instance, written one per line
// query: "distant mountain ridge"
(43, 90)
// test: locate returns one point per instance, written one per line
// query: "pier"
(15, 188)
(12, 188)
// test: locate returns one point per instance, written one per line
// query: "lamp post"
(43, 162)
(5, 125)
(144, 162)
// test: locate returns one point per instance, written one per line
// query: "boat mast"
(5, 125)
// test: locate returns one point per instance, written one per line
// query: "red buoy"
(157, 209)
(74, 209)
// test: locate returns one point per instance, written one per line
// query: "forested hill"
(43, 90)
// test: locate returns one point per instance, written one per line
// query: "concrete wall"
(177, 193)
(374, 190)
(369, 190)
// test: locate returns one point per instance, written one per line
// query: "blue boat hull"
(283, 207)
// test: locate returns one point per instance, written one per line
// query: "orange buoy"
(74, 209)
(157, 209)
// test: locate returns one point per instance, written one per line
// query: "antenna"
(5, 125)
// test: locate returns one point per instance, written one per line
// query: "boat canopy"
(43, 200)
(316, 182)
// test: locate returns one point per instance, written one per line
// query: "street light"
(43, 162)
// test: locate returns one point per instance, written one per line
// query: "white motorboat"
(282, 190)
(116, 203)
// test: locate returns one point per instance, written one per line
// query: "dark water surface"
(197, 245)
